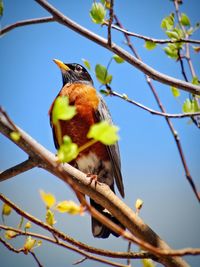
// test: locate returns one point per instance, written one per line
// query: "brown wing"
(103, 114)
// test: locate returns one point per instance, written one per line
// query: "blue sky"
(151, 165)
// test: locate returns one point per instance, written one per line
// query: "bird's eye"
(78, 68)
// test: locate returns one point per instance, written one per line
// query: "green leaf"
(97, 13)
(50, 217)
(48, 199)
(148, 263)
(15, 136)
(6, 210)
(68, 150)
(62, 110)
(195, 80)
(168, 22)
(172, 35)
(187, 106)
(191, 106)
(9, 234)
(104, 132)
(1, 7)
(118, 59)
(106, 3)
(70, 207)
(149, 45)
(175, 91)
(27, 225)
(29, 244)
(86, 63)
(172, 51)
(102, 74)
(185, 21)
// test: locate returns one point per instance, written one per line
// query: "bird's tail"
(98, 229)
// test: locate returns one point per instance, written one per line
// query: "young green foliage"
(48, 199)
(27, 225)
(118, 59)
(104, 132)
(6, 210)
(86, 63)
(175, 91)
(50, 217)
(69, 206)
(168, 22)
(9, 234)
(102, 74)
(148, 263)
(149, 45)
(15, 136)
(185, 21)
(190, 106)
(29, 244)
(172, 51)
(106, 3)
(62, 110)
(67, 150)
(97, 13)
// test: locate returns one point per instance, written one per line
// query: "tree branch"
(25, 23)
(59, 243)
(110, 22)
(18, 169)
(154, 40)
(143, 235)
(152, 111)
(59, 17)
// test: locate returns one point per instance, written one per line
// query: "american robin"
(98, 159)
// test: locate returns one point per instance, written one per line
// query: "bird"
(99, 159)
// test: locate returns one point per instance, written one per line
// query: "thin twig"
(61, 244)
(80, 261)
(110, 22)
(10, 247)
(25, 23)
(60, 18)
(152, 111)
(182, 66)
(154, 40)
(18, 169)
(36, 258)
(172, 129)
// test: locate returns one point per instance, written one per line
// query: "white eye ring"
(78, 68)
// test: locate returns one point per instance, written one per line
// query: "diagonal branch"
(25, 23)
(60, 18)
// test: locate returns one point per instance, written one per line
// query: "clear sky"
(151, 165)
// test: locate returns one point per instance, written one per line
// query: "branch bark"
(25, 23)
(60, 18)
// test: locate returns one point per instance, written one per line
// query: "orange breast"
(86, 100)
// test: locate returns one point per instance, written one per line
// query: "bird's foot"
(93, 177)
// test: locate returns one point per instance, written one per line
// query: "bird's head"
(73, 73)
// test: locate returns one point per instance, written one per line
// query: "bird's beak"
(61, 65)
